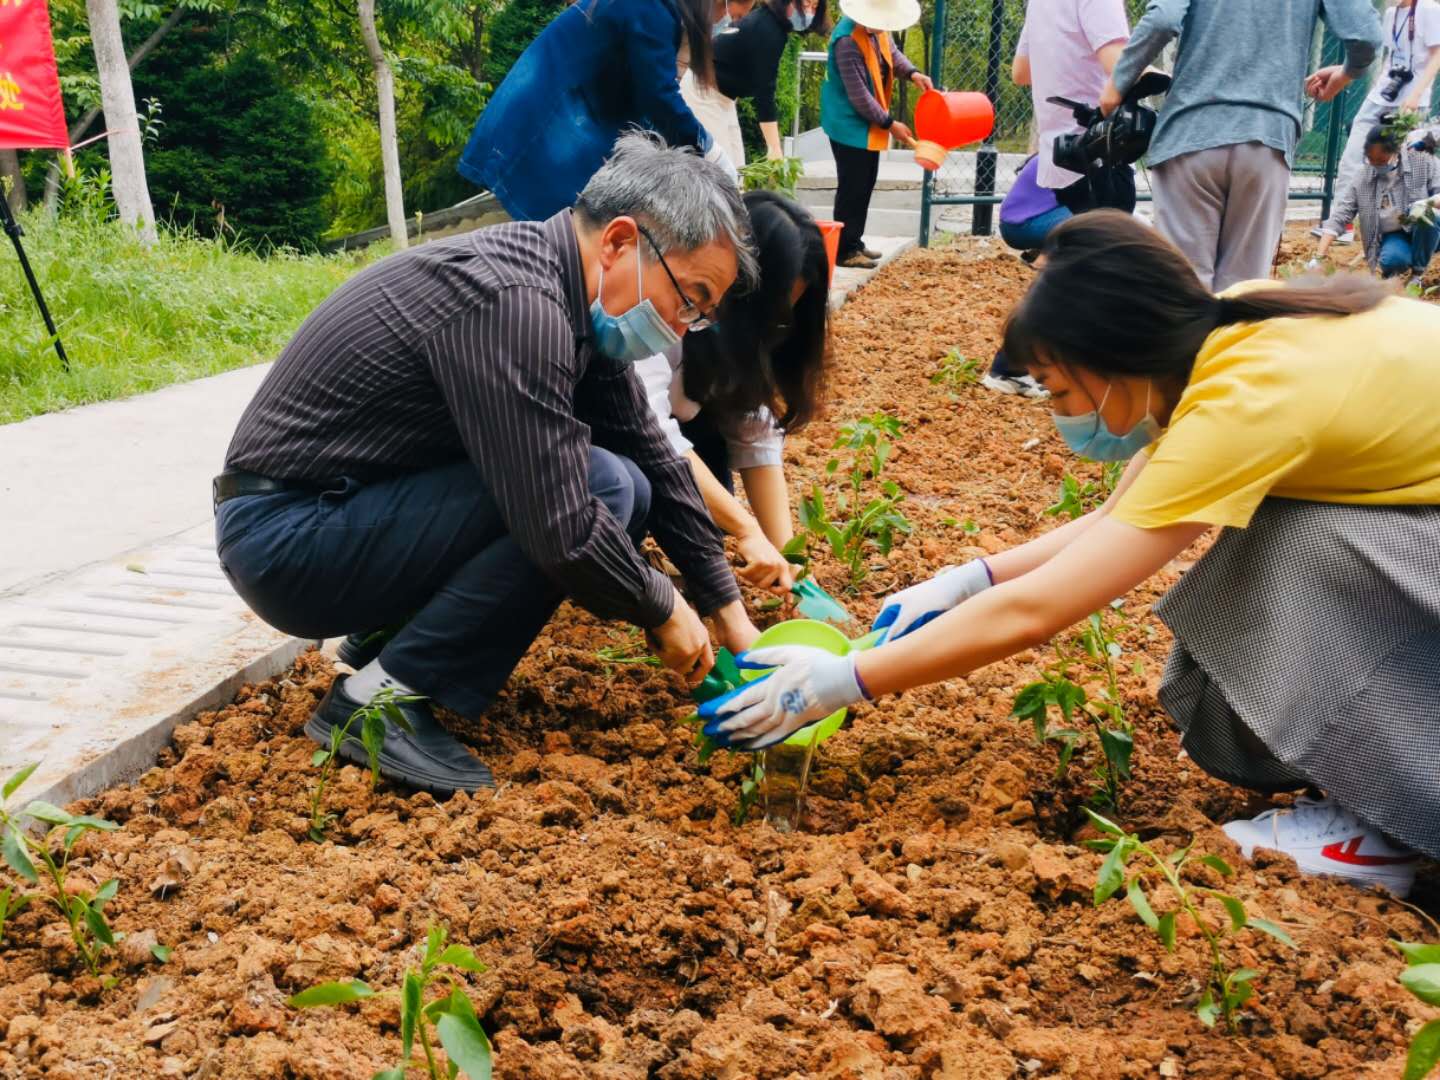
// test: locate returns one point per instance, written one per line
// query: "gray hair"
(684, 201)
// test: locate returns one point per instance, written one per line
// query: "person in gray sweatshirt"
(1225, 141)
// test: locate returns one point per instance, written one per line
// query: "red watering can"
(946, 119)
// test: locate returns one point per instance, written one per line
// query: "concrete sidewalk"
(116, 622)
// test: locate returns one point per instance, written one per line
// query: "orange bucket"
(945, 119)
(830, 233)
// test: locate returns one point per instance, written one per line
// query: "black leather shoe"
(431, 759)
(357, 650)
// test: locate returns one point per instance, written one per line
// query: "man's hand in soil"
(806, 685)
(683, 643)
(734, 628)
(765, 567)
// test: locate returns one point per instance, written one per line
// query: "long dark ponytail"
(1119, 299)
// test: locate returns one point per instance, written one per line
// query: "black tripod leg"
(13, 230)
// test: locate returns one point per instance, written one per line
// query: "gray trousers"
(1224, 209)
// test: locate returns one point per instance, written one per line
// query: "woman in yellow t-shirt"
(1303, 419)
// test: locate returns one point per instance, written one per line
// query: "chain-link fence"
(971, 46)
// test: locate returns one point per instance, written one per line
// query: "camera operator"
(1220, 159)
(1067, 48)
(1410, 58)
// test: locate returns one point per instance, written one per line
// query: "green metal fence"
(972, 43)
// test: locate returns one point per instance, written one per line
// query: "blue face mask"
(634, 334)
(799, 21)
(1089, 436)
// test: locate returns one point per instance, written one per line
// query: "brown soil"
(933, 921)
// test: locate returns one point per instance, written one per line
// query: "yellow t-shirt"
(1330, 409)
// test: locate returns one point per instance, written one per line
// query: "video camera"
(1396, 79)
(1118, 139)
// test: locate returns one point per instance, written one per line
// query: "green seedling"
(956, 371)
(1422, 978)
(1076, 498)
(1098, 648)
(452, 1015)
(84, 912)
(1227, 989)
(372, 716)
(875, 518)
(797, 553)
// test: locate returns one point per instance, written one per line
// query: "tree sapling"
(452, 1016)
(372, 716)
(84, 911)
(1227, 989)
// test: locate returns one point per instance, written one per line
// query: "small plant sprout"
(1227, 988)
(874, 521)
(371, 717)
(452, 1015)
(956, 371)
(1422, 978)
(1077, 498)
(83, 911)
(1105, 714)
(630, 652)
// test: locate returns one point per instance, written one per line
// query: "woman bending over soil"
(728, 395)
(1299, 419)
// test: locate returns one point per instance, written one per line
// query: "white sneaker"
(1325, 838)
(1347, 237)
(1023, 385)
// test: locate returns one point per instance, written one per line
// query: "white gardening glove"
(909, 609)
(807, 684)
(717, 154)
(1422, 211)
(1313, 264)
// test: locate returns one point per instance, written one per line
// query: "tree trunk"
(117, 96)
(10, 171)
(52, 176)
(389, 145)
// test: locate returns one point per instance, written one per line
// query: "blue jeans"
(1030, 233)
(428, 550)
(1404, 251)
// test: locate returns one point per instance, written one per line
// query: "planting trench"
(933, 919)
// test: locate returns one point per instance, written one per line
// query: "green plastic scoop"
(815, 603)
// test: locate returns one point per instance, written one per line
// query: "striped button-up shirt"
(479, 346)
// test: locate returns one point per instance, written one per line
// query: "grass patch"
(134, 320)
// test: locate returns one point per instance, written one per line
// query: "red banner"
(31, 113)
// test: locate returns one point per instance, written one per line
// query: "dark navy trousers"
(426, 551)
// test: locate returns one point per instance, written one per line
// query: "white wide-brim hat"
(888, 15)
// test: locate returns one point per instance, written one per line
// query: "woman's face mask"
(799, 21)
(634, 334)
(1089, 436)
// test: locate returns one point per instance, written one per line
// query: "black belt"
(231, 485)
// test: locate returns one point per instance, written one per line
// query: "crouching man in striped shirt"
(454, 442)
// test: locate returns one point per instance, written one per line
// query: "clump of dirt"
(932, 922)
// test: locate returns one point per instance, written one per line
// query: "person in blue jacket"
(601, 66)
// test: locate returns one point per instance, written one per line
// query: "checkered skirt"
(1308, 651)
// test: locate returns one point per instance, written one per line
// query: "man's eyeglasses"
(691, 314)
